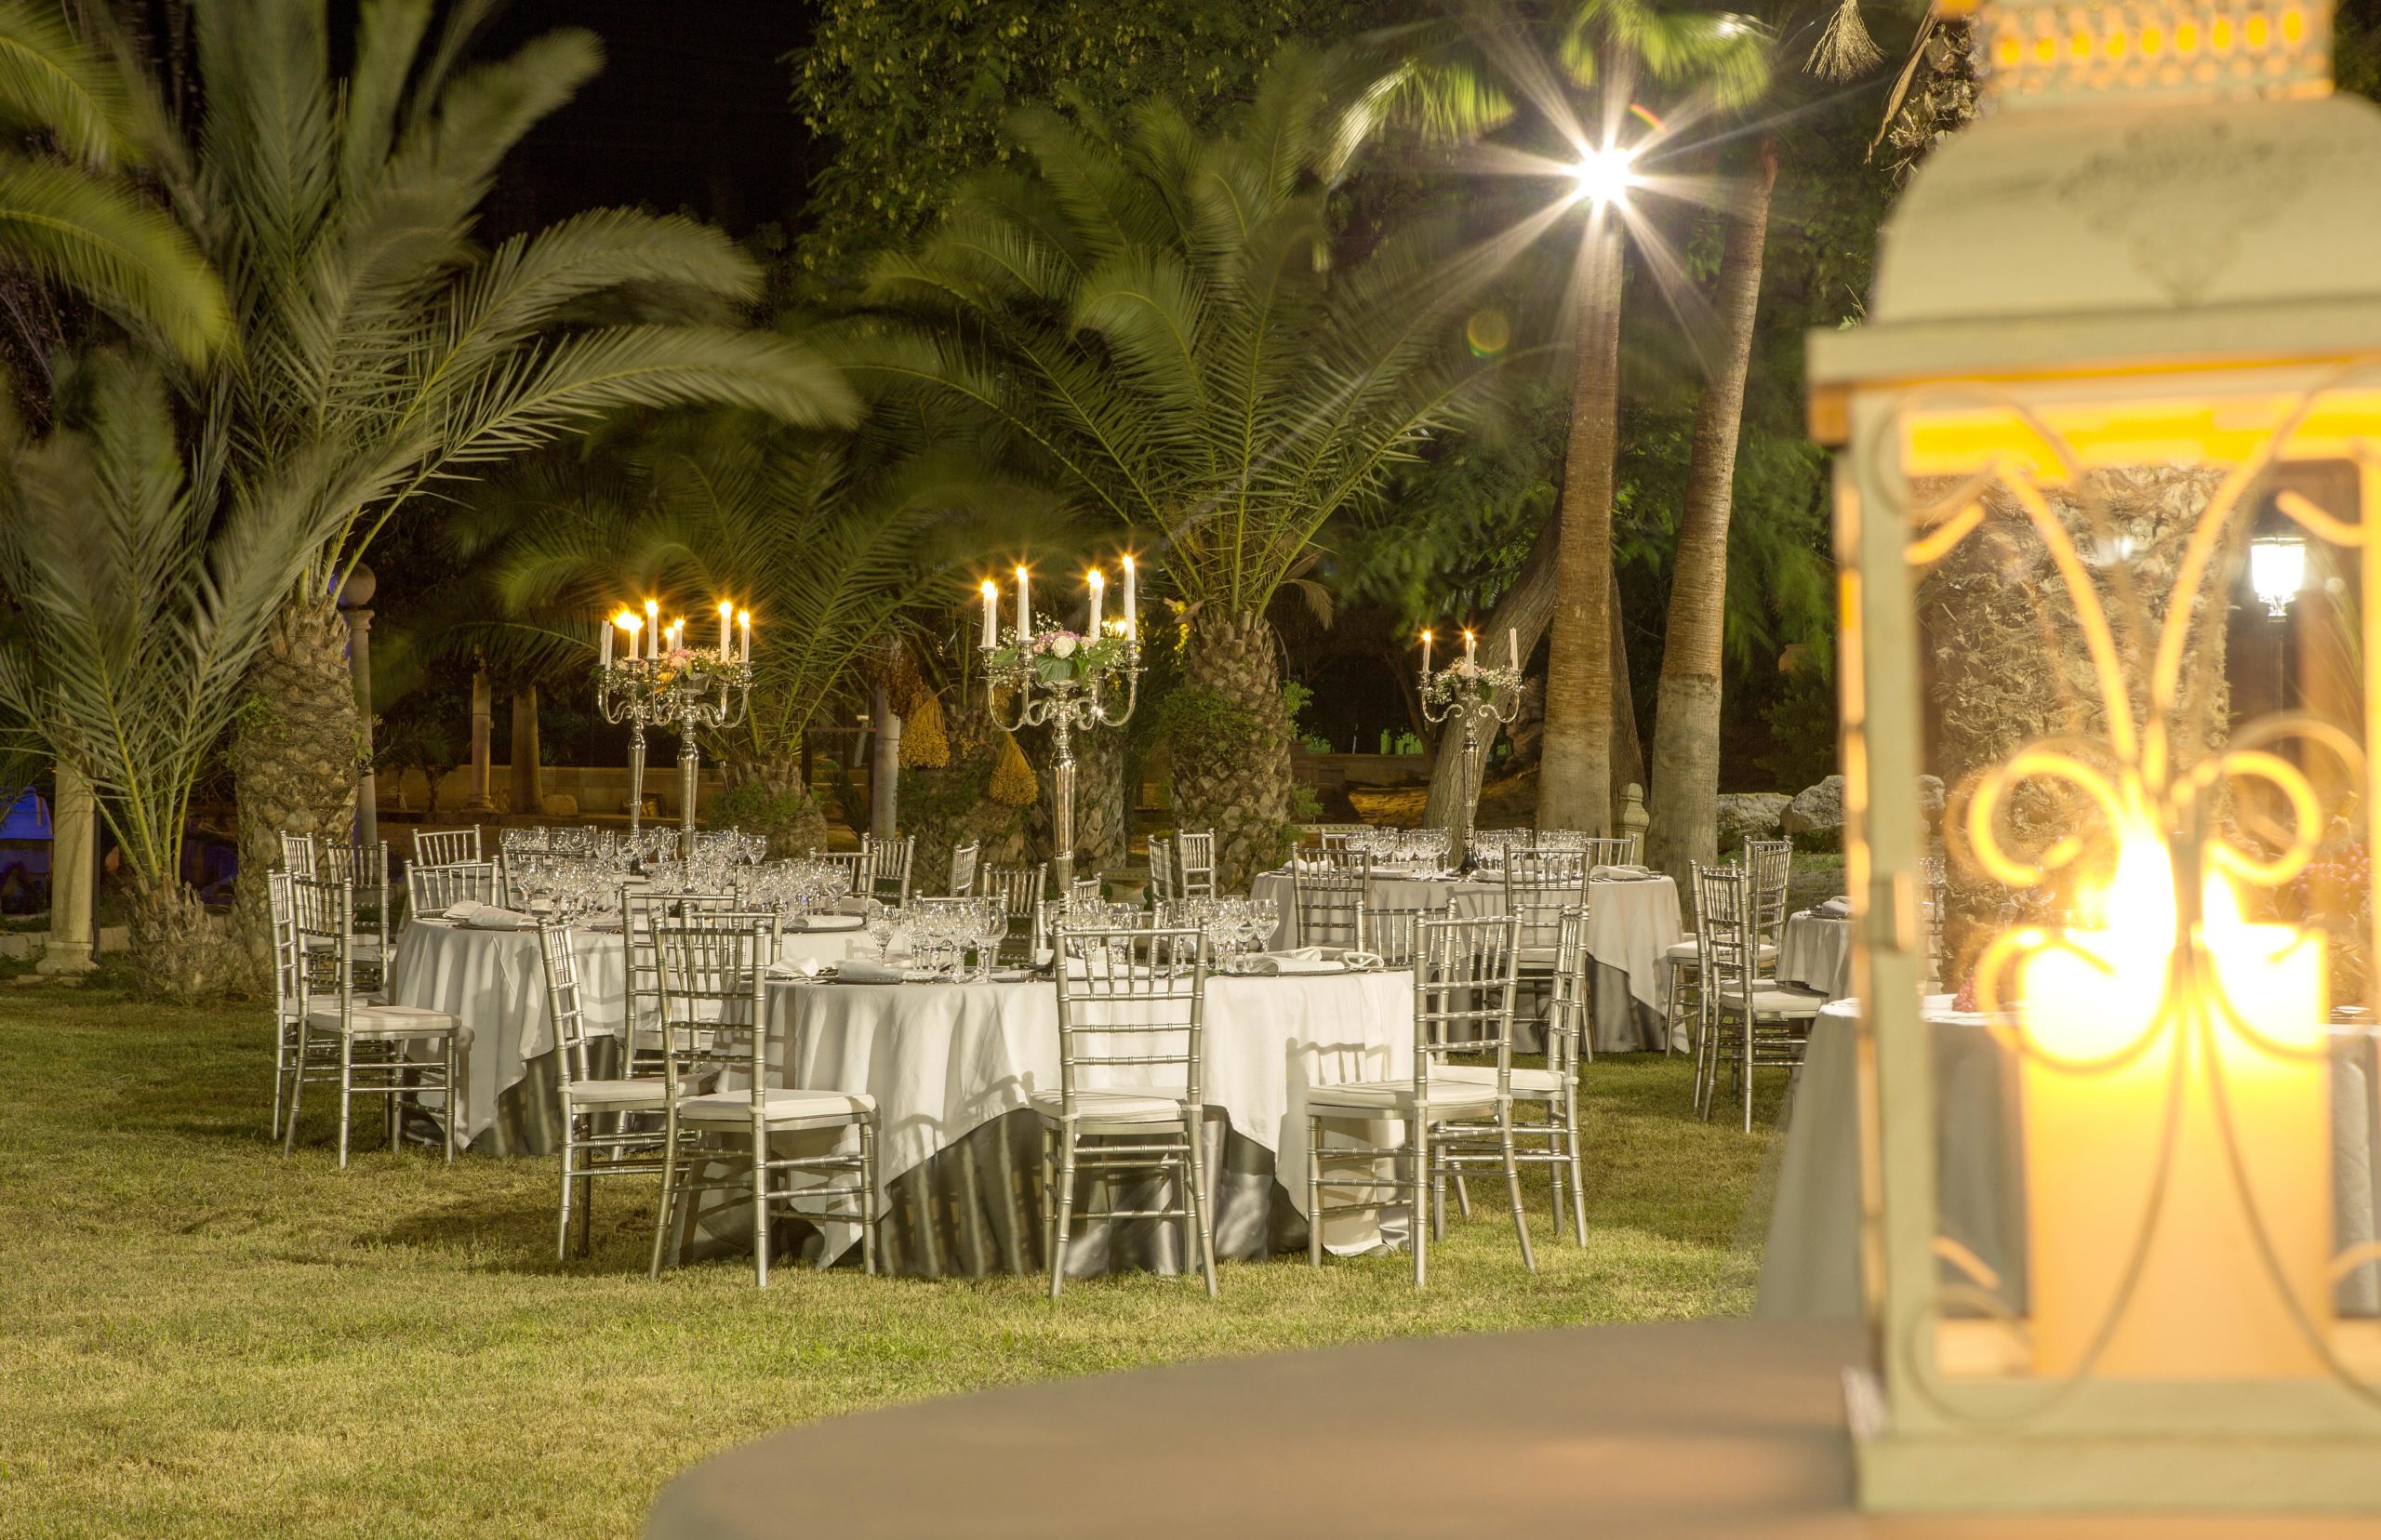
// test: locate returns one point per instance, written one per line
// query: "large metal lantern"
(2116, 970)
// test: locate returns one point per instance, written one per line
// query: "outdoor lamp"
(1606, 175)
(2124, 320)
(2277, 571)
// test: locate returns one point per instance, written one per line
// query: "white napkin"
(1301, 960)
(1618, 874)
(860, 970)
(825, 922)
(488, 917)
(797, 970)
(1834, 908)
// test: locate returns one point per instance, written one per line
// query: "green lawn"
(198, 1337)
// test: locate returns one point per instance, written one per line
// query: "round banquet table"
(492, 980)
(951, 1067)
(1708, 1429)
(1630, 925)
(1816, 952)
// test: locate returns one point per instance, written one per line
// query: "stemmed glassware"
(991, 930)
(883, 920)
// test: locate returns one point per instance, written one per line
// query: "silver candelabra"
(1475, 695)
(1065, 680)
(663, 683)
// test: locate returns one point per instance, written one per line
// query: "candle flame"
(1426, 636)
(726, 609)
(988, 589)
(743, 618)
(1093, 578)
(1128, 561)
(626, 621)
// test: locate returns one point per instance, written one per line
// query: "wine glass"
(883, 920)
(991, 929)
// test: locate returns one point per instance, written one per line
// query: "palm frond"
(104, 244)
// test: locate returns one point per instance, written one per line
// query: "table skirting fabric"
(951, 1067)
(1814, 952)
(1811, 1267)
(1630, 925)
(493, 981)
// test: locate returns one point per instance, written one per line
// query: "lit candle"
(1426, 652)
(653, 628)
(1513, 647)
(726, 609)
(1098, 590)
(991, 612)
(606, 660)
(1471, 647)
(632, 625)
(744, 625)
(1024, 604)
(2203, 1304)
(1132, 606)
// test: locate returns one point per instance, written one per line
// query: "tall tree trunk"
(1575, 769)
(293, 759)
(1231, 745)
(1685, 793)
(1628, 750)
(528, 783)
(793, 822)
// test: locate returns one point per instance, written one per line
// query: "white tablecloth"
(493, 981)
(943, 1059)
(1630, 924)
(1816, 952)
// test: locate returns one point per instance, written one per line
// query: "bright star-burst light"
(1605, 176)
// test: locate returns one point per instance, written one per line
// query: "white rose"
(1062, 645)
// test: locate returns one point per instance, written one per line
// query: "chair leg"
(297, 1093)
(346, 1093)
(454, 1095)
(1577, 1163)
(759, 1207)
(1513, 1186)
(1198, 1199)
(868, 1197)
(1422, 1191)
(1314, 1192)
(562, 1225)
(1061, 1213)
(669, 1190)
(1462, 1201)
(586, 1213)
(1748, 1070)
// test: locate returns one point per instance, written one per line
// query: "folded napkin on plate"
(825, 922)
(1300, 959)
(797, 969)
(1834, 908)
(861, 970)
(1618, 874)
(489, 917)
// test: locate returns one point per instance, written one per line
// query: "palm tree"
(1461, 81)
(382, 353)
(834, 545)
(138, 611)
(1155, 321)
(69, 219)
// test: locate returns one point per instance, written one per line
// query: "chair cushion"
(370, 1020)
(784, 1108)
(1446, 1094)
(1688, 950)
(619, 1096)
(1786, 1000)
(1095, 1110)
(1525, 1083)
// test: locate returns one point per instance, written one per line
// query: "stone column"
(73, 817)
(483, 707)
(354, 599)
(884, 769)
(528, 783)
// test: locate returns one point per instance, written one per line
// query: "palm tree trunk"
(294, 757)
(795, 824)
(1684, 807)
(1231, 745)
(528, 783)
(1575, 774)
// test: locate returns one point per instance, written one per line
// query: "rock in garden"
(1813, 820)
(1750, 816)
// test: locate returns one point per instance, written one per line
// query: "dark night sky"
(691, 112)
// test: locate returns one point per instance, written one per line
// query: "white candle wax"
(1132, 608)
(1024, 604)
(726, 609)
(652, 627)
(1513, 647)
(1098, 591)
(1470, 648)
(991, 612)
(1426, 652)
(607, 644)
(744, 624)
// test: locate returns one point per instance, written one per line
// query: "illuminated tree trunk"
(1575, 770)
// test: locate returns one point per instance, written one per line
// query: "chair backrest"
(297, 855)
(887, 869)
(1335, 836)
(1610, 850)
(1540, 885)
(445, 846)
(1340, 858)
(289, 963)
(963, 869)
(1162, 885)
(1464, 972)
(1568, 1004)
(1329, 901)
(713, 977)
(430, 888)
(1085, 890)
(1195, 865)
(1726, 925)
(322, 928)
(565, 1007)
(1018, 887)
(1771, 862)
(1131, 1001)
(640, 911)
(1393, 931)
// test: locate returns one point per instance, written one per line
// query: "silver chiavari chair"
(433, 889)
(855, 865)
(366, 869)
(640, 911)
(1132, 1006)
(345, 1039)
(601, 1135)
(1393, 931)
(288, 991)
(1327, 902)
(1749, 1021)
(445, 846)
(888, 869)
(1163, 889)
(1463, 1004)
(1609, 850)
(1195, 865)
(1540, 885)
(1085, 890)
(1772, 865)
(963, 869)
(297, 854)
(1335, 836)
(714, 1019)
(1019, 890)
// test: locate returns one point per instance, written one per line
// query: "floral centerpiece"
(1467, 679)
(1056, 655)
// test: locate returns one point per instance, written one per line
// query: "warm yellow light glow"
(743, 618)
(726, 609)
(626, 621)
(1604, 176)
(988, 589)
